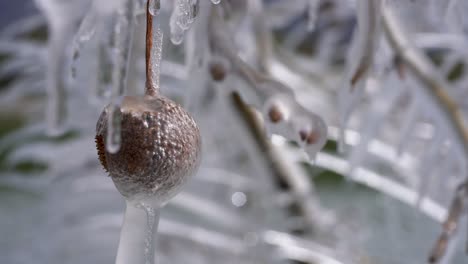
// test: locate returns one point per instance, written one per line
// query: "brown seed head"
(218, 71)
(160, 148)
(275, 114)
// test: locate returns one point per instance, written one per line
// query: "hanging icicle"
(182, 17)
(122, 38)
(312, 14)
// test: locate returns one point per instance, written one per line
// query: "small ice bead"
(215, 1)
(154, 7)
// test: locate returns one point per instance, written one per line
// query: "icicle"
(113, 139)
(56, 91)
(181, 19)
(123, 40)
(122, 37)
(104, 75)
(154, 7)
(312, 13)
(382, 103)
(138, 234)
(426, 169)
(85, 32)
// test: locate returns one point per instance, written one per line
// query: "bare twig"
(299, 186)
(368, 29)
(435, 87)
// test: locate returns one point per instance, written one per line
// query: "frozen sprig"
(434, 87)
(451, 223)
(282, 113)
(154, 45)
(360, 59)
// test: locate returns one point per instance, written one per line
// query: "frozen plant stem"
(436, 89)
(450, 225)
(154, 41)
(138, 235)
(368, 20)
(282, 113)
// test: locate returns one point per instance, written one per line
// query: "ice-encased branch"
(435, 87)
(282, 113)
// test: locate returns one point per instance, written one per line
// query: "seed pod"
(160, 148)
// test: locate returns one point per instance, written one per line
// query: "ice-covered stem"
(154, 42)
(152, 85)
(368, 21)
(450, 225)
(281, 111)
(138, 235)
(296, 183)
(433, 86)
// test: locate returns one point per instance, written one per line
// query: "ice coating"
(156, 53)
(285, 117)
(154, 162)
(122, 36)
(182, 17)
(154, 7)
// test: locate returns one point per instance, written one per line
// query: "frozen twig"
(450, 225)
(368, 22)
(283, 115)
(299, 186)
(435, 88)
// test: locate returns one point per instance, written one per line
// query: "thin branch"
(149, 47)
(299, 186)
(368, 18)
(221, 43)
(450, 225)
(435, 87)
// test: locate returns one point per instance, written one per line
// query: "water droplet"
(215, 1)
(154, 7)
(239, 199)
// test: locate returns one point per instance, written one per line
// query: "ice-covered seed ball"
(160, 148)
